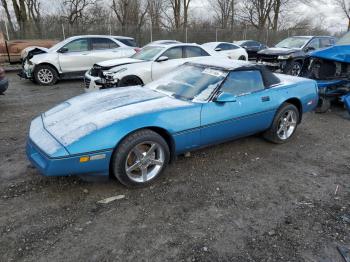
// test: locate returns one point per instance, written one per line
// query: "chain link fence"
(56, 29)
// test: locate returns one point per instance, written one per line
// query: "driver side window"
(315, 43)
(240, 83)
(173, 53)
(79, 45)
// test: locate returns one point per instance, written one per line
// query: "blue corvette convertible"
(133, 132)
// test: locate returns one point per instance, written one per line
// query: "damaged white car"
(73, 57)
(152, 62)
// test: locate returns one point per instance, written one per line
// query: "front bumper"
(4, 83)
(90, 84)
(66, 166)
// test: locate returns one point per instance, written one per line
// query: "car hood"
(340, 53)
(88, 113)
(119, 62)
(277, 51)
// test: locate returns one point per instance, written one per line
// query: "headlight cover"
(284, 57)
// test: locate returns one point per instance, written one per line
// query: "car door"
(175, 58)
(103, 49)
(75, 56)
(252, 111)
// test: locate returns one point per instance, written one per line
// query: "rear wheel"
(45, 75)
(140, 158)
(130, 81)
(284, 124)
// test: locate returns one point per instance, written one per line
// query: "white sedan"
(73, 56)
(152, 62)
(229, 50)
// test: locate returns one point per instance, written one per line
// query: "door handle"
(84, 54)
(265, 98)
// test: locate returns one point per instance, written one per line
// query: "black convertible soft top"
(269, 78)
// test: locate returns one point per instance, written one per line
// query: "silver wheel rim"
(287, 124)
(45, 76)
(144, 161)
(296, 69)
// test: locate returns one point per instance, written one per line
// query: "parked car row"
(175, 97)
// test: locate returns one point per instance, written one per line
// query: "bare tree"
(224, 12)
(75, 9)
(155, 9)
(130, 12)
(345, 7)
(257, 12)
(8, 15)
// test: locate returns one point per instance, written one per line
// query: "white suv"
(73, 57)
(152, 62)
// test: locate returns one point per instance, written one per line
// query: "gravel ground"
(247, 200)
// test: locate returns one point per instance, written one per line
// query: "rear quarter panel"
(305, 90)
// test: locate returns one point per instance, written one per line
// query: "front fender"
(48, 58)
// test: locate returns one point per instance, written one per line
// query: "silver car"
(73, 57)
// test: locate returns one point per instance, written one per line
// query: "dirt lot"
(247, 200)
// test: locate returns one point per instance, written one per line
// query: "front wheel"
(284, 124)
(140, 158)
(293, 68)
(242, 57)
(45, 75)
(130, 81)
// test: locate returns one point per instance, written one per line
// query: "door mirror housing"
(309, 49)
(162, 59)
(225, 97)
(63, 50)
(218, 49)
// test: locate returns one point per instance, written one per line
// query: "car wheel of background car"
(284, 124)
(140, 158)
(45, 75)
(130, 81)
(242, 57)
(293, 68)
(323, 105)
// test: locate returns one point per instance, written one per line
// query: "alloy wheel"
(287, 125)
(45, 76)
(144, 161)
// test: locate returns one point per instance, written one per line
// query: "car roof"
(173, 44)
(269, 78)
(100, 36)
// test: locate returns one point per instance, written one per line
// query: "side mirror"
(225, 97)
(63, 50)
(310, 48)
(218, 49)
(162, 59)
(244, 46)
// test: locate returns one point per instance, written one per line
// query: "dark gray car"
(288, 55)
(4, 83)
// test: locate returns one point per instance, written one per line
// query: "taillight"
(2, 73)
(137, 49)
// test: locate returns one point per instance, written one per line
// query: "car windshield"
(345, 40)
(148, 53)
(190, 82)
(293, 42)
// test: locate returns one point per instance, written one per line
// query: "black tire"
(272, 133)
(323, 105)
(293, 68)
(130, 81)
(123, 152)
(39, 75)
(242, 57)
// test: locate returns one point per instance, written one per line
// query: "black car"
(3, 81)
(288, 55)
(252, 47)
